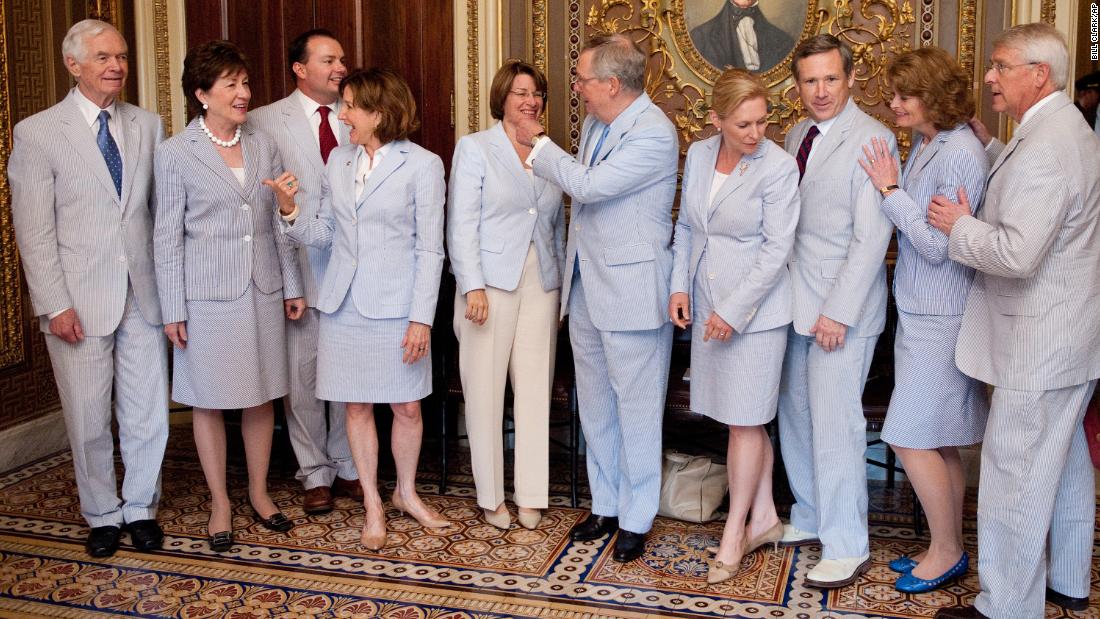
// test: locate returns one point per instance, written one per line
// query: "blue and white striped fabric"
(933, 403)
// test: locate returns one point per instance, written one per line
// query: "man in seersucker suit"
(82, 204)
(617, 273)
(305, 130)
(1032, 330)
(838, 276)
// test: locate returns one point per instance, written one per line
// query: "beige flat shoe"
(501, 518)
(529, 518)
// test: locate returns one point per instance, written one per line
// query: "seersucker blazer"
(621, 228)
(214, 235)
(838, 266)
(496, 211)
(286, 122)
(81, 244)
(387, 246)
(1031, 321)
(747, 233)
(925, 280)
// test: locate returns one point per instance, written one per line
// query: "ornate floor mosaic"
(467, 570)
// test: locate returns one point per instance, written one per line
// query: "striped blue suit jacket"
(747, 234)
(387, 246)
(80, 243)
(213, 235)
(495, 212)
(925, 280)
(621, 228)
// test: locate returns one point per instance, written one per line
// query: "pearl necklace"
(214, 139)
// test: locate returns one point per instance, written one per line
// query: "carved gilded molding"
(1046, 11)
(538, 21)
(573, 44)
(472, 67)
(968, 20)
(162, 59)
(678, 78)
(11, 298)
(927, 28)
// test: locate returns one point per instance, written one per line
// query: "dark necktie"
(804, 150)
(109, 149)
(599, 143)
(737, 13)
(325, 134)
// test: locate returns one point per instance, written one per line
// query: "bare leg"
(363, 440)
(408, 428)
(257, 425)
(929, 473)
(209, 430)
(762, 515)
(954, 464)
(744, 462)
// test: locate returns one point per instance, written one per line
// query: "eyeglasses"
(1001, 67)
(523, 94)
(581, 81)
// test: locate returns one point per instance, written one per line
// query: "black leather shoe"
(594, 527)
(220, 541)
(102, 541)
(959, 612)
(628, 546)
(277, 522)
(1067, 602)
(145, 535)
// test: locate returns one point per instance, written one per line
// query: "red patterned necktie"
(804, 150)
(325, 134)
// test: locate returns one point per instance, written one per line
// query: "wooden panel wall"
(413, 37)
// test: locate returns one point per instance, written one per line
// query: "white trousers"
(133, 362)
(320, 445)
(517, 343)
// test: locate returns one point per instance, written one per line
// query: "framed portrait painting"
(758, 35)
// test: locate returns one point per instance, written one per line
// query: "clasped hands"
(679, 312)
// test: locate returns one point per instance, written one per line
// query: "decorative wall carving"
(678, 78)
(162, 58)
(11, 297)
(473, 83)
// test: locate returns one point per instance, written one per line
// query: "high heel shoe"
(771, 536)
(501, 518)
(375, 540)
(720, 571)
(529, 518)
(431, 520)
(908, 583)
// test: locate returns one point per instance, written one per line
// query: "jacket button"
(531, 211)
(246, 238)
(122, 258)
(710, 276)
(244, 207)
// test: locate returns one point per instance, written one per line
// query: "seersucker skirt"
(735, 382)
(359, 359)
(236, 352)
(933, 404)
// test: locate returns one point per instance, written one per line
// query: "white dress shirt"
(90, 111)
(365, 165)
(823, 128)
(309, 106)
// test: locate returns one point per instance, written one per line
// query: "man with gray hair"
(618, 267)
(82, 203)
(1031, 330)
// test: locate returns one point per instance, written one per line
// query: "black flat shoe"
(1067, 602)
(220, 541)
(145, 535)
(628, 546)
(594, 527)
(277, 522)
(102, 541)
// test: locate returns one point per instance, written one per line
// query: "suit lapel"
(297, 126)
(832, 139)
(505, 154)
(82, 139)
(132, 138)
(1059, 101)
(203, 149)
(709, 158)
(250, 153)
(390, 162)
(624, 122)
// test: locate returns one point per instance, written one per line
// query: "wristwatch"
(887, 189)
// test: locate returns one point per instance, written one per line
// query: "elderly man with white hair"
(82, 203)
(1031, 330)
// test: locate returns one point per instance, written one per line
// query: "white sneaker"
(794, 536)
(833, 573)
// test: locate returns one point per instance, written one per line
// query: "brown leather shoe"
(317, 500)
(959, 612)
(348, 488)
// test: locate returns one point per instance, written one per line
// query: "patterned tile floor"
(468, 570)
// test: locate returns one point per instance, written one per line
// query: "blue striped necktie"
(599, 143)
(109, 149)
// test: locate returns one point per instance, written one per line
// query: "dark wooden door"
(413, 37)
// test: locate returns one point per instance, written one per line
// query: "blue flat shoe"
(903, 564)
(908, 583)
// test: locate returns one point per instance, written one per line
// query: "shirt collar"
(824, 126)
(1031, 111)
(362, 162)
(309, 106)
(90, 111)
